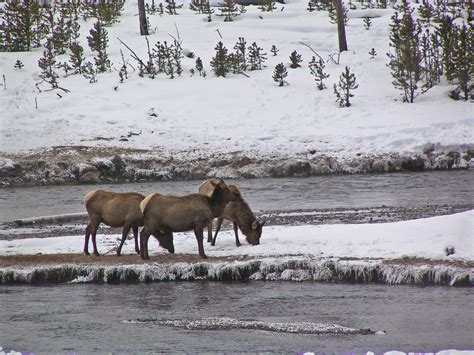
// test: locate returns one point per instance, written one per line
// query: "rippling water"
(327, 191)
(96, 318)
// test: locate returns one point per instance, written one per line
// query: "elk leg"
(125, 231)
(135, 235)
(198, 231)
(93, 230)
(86, 239)
(236, 231)
(144, 235)
(218, 228)
(209, 232)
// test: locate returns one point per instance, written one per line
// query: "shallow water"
(319, 192)
(93, 318)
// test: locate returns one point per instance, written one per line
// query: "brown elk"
(115, 209)
(164, 215)
(242, 217)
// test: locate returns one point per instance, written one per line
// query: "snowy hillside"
(192, 117)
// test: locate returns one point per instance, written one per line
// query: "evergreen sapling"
(347, 83)
(279, 74)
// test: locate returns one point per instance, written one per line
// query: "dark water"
(90, 318)
(320, 192)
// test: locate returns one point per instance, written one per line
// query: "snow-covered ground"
(194, 116)
(422, 238)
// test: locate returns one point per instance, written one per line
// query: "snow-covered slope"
(195, 116)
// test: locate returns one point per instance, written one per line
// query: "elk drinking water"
(115, 209)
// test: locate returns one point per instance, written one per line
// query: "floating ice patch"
(216, 323)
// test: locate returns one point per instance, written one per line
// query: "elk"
(242, 217)
(164, 215)
(115, 209)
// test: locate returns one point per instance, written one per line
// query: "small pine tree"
(372, 53)
(316, 68)
(405, 60)
(279, 74)
(105, 11)
(312, 6)
(98, 42)
(295, 59)
(229, 10)
(267, 5)
(274, 50)
(76, 57)
(18, 64)
(171, 7)
(199, 66)
(347, 83)
(47, 63)
(367, 23)
(220, 62)
(241, 49)
(256, 57)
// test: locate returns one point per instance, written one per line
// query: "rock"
(90, 177)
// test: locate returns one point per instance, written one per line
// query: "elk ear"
(207, 187)
(254, 224)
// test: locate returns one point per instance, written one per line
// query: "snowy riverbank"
(408, 252)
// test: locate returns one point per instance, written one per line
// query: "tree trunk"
(341, 30)
(142, 17)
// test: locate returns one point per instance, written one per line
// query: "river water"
(94, 318)
(320, 192)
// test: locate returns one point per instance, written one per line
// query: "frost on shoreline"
(60, 168)
(271, 269)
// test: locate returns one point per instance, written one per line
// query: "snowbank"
(409, 252)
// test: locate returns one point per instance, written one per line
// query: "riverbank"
(95, 165)
(429, 251)
(75, 268)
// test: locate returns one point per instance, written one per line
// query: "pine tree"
(333, 14)
(372, 53)
(405, 61)
(312, 6)
(463, 59)
(98, 42)
(316, 68)
(199, 66)
(267, 5)
(347, 83)
(446, 31)
(105, 11)
(279, 74)
(256, 57)
(19, 29)
(295, 59)
(47, 63)
(171, 7)
(229, 10)
(220, 62)
(367, 23)
(274, 50)
(76, 57)
(241, 48)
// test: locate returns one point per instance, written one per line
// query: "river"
(95, 318)
(434, 188)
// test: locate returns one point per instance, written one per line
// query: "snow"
(193, 116)
(422, 238)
